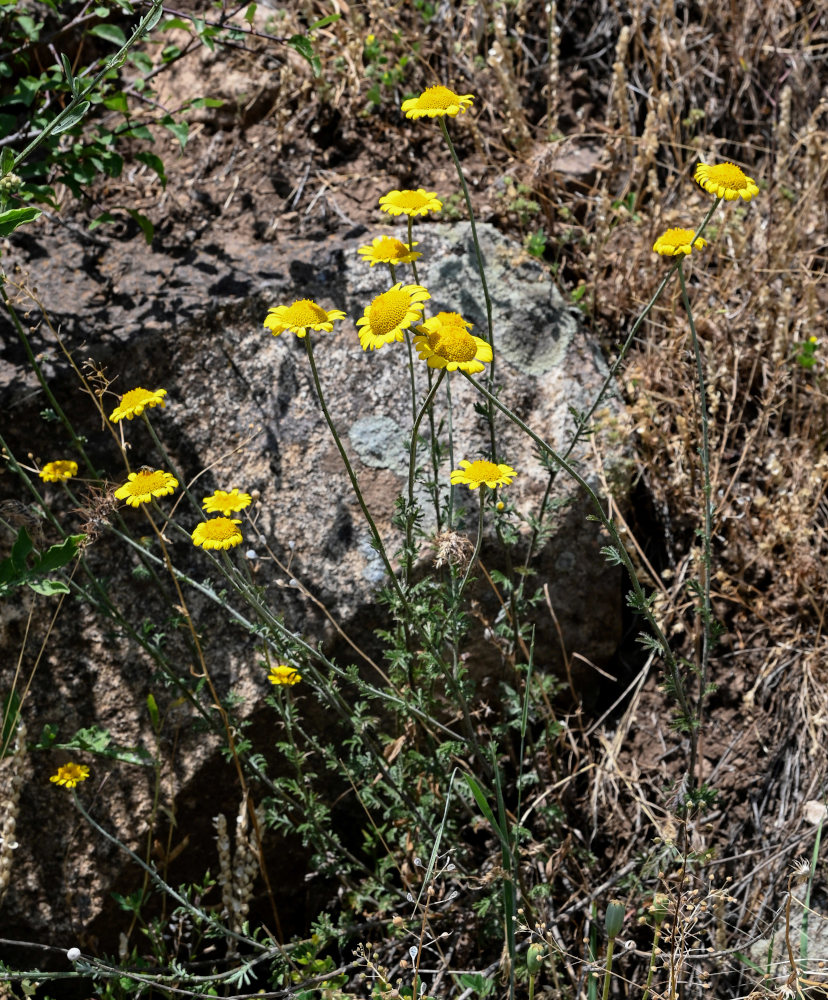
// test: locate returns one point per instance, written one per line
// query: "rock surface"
(241, 405)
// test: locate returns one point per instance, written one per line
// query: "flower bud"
(534, 958)
(614, 919)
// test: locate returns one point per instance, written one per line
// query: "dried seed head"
(452, 548)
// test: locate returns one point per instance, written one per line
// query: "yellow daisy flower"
(70, 775)
(217, 533)
(474, 474)
(437, 102)
(388, 250)
(142, 486)
(676, 241)
(726, 180)
(54, 472)
(391, 313)
(301, 316)
(445, 342)
(226, 503)
(134, 402)
(283, 675)
(411, 203)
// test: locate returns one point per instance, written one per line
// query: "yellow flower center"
(305, 312)
(388, 311)
(389, 248)
(729, 175)
(219, 529)
(437, 97)
(410, 200)
(483, 471)
(454, 344)
(148, 482)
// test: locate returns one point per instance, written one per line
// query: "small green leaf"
(67, 68)
(6, 160)
(138, 132)
(14, 217)
(154, 163)
(152, 708)
(324, 22)
(109, 33)
(207, 102)
(48, 588)
(153, 18)
(302, 45)
(117, 102)
(20, 550)
(141, 60)
(181, 130)
(72, 118)
(250, 13)
(175, 22)
(58, 556)
(147, 228)
(99, 220)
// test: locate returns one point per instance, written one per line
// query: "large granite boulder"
(241, 404)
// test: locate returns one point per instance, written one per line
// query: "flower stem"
(583, 419)
(393, 271)
(610, 950)
(642, 603)
(201, 915)
(483, 284)
(450, 421)
(477, 546)
(412, 468)
(651, 968)
(77, 444)
(355, 483)
(435, 458)
(172, 466)
(707, 533)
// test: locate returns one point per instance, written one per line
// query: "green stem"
(433, 448)
(641, 602)
(450, 420)
(393, 271)
(172, 466)
(412, 468)
(610, 950)
(708, 506)
(483, 283)
(477, 546)
(583, 419)
(651, 968)
(408, 618)
(77, 444)
(201, 915)
(411, 247)
(355, 483)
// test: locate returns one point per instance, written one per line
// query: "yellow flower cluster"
(724, 180)
(443, 341)
(146, 484)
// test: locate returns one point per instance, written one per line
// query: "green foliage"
(535, 243)
(384, 68)
(26, 567)
(96, 741)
